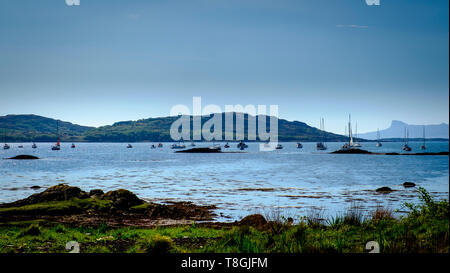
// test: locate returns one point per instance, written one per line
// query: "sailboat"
(350, 143)
(153, 146)
(320, 145)
(129, 146)
(215, 147)
(72, 146)
(180, 145)
(378, 139)
(241, 145)
(160, 145)
(356, 134)
(299, 145)
(57, 146)
(406, 146)
(423, 147)
(5, 146)
(34, 146)
(226, 145)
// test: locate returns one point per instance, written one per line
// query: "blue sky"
(106, 61)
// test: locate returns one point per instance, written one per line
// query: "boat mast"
(350, 130)
(424, 135)
(57, 132)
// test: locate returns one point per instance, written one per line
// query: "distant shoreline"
(250, 141)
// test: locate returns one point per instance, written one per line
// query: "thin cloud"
(352, 26)
(134, 16)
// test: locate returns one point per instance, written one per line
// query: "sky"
(107, 61)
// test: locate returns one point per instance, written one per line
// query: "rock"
(409, 184)
(255, 220)
(384, 190)
(200, 150)
(24, 157)
(35, 187)
(59, 192)
(351, 151)
(290, 221)
(122, 199)
(96, 193)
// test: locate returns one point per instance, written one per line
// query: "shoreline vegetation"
(119, 222)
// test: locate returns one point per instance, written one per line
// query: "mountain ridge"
(397, 130)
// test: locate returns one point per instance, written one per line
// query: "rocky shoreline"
(71, 205)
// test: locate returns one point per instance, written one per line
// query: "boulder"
(384, 190)
(96, 193)
(255, 220)
(122, 199)
(59, 192)
(409, 184)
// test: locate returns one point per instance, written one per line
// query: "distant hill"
(36, 128)
(158, 129)
(397, 130)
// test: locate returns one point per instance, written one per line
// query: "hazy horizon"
(99, 63)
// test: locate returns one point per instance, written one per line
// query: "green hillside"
(36, 128)
(16, 128)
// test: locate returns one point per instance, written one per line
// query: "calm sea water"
(289, 181)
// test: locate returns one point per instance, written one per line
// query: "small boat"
(406, 146)
(215, 148)
(129, 146)
(72, 146)
(423, 147)
(241, 145)
(356, 144)
(34, 146)
(279, 147)
(153, 146)
(345, 146)
(299, 145)
(226, 145)
(160, 145)
(180, 145)
(57, 146)
(20, 146)
(320, 146)
(192, 144)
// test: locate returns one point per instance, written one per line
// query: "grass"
(58, 207)
(425, 229)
